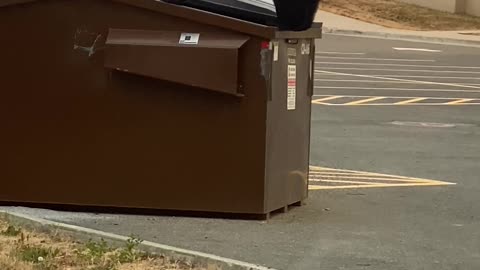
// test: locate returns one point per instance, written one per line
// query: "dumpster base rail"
(152, 212)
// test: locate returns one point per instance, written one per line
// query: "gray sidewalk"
(338, 24)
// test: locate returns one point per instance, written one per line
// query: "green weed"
(130, 253)
(36, 254)
(11, 231)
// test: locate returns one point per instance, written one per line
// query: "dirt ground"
(395, 14)
(21, 249)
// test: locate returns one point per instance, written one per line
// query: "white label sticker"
(275, 51)
(292, 52)
(292, 87)
(305, 48)
(189, 38)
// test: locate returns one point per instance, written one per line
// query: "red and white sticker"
(292, 87)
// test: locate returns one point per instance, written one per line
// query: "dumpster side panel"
(76, 133)
(288, 128)
(147, 52)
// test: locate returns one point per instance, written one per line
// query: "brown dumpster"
(150, 105)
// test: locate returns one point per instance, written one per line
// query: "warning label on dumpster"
(292, 56)
(292, 87)
(305, 48)
(275, 51)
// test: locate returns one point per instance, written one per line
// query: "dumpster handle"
(266, 63)
(311, 69)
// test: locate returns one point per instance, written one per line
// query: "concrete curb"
(405, 37)
(209, 261)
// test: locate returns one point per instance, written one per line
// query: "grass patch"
(35, 254)
(129, 254)
(22, 249)
(11, 231)
(396, 14)
(94, 251)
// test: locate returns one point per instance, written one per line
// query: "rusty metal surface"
(76, 133)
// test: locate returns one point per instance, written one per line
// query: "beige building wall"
(445, 5)
(472, 7)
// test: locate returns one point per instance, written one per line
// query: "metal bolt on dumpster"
(145, 104)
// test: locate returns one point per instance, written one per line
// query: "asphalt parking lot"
(395, 158)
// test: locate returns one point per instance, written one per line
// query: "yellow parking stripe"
(318, 101)
(323, 170)
(332, 171)
(351, 182)
(362, 101)
(344, 174)
(394, 101)
(314, 187)
(460, 101)
(333, 174)
(413, 180)
(413, 100)
(323, 178)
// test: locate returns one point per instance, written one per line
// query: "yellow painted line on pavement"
(350, 182)
(362, 101)
(413, 180)
(409, 101)
(340, 173)
(315, 169)
(315, 187)
(323, 178)
(318, 101)
(412, 104)
(316, 176)
(322, 170)
(460, 101)
(336, 187)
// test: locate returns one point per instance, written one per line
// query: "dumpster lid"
(267, 4)
(256, 11)
(263, 9)
(170, 39)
